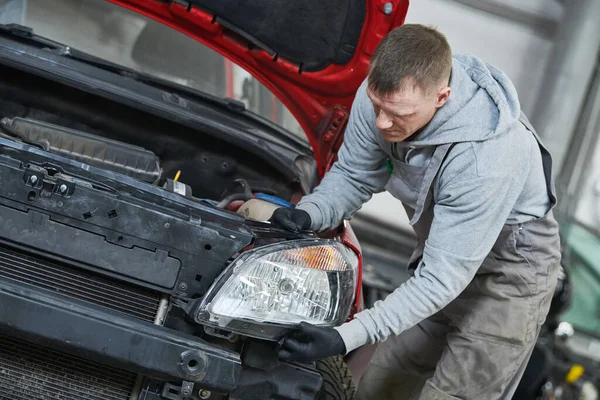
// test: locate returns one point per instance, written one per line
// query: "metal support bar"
(159, 320)
(568, 76)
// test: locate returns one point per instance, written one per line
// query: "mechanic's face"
(401, 114)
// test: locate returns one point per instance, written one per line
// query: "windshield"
(129, 39)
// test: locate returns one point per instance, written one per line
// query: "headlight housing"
(311, 280)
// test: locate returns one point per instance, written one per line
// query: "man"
(475, 182)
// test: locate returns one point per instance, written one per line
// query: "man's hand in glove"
(292, 219)
(311, 343)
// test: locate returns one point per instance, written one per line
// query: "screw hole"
(51, 171)
(192, 364)
(207, 247)
(31, 196)
(120, 239)
(87, 215)
(198, 278)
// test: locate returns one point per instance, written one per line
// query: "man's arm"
(468, 217)
(359, 172)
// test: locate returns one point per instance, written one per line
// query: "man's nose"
(383, 122)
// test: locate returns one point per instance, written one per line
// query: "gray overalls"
(478, 346)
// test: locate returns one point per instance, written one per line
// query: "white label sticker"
(179, 188)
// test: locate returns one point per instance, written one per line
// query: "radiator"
(30, 372)
(78, 284)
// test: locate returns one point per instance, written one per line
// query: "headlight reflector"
(310, 280)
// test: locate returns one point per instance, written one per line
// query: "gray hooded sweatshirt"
(491, 176)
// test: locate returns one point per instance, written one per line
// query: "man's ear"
(442, 96)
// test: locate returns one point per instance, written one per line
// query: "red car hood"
(313, 54)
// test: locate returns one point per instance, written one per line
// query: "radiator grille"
(30, 372)
(78, 284)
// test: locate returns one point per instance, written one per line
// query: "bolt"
(204, 394)
(388, 8)
(183, 286)
(62, 188)
(33, 179)
(167, 225)
(187, 388)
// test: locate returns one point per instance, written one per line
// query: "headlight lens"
(301, 280)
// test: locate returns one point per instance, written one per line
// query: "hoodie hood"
(483, 103)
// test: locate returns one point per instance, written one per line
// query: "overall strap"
(432, 170)
(546, 159)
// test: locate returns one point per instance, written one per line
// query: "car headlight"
(310, 280)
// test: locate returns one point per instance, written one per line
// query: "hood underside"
(312, 54)
(310, 33)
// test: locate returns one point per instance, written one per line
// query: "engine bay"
(59, 118)
(133, 161)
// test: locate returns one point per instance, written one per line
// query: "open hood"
(312, 54)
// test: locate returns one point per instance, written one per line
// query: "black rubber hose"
(231, 198)
(246, 187)
(247, 195)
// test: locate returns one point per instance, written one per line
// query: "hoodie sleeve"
(359, 172)
(468, 217)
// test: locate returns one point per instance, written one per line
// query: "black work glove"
(311, 343)
(292, 219)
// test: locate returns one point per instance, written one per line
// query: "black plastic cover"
(101, 152)
(112, 224)
(314, 33)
